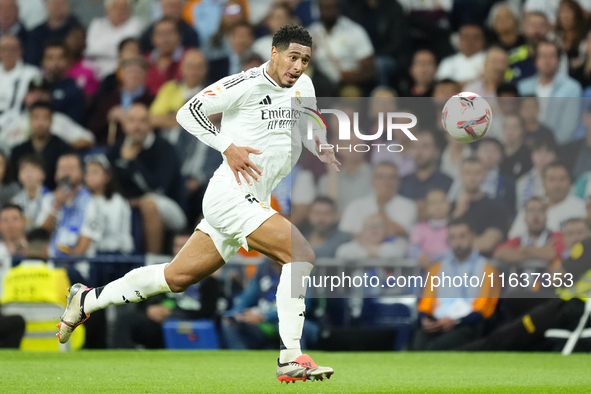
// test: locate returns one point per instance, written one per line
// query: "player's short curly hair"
(291, 34)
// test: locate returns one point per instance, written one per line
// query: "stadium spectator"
(576, 155)
(495, 67)
(142, 327)
(280, 15)
(570, 29)
(323, 234)
(560, 204)
(105, 33)
(294, 194)
(451, 316)
(534, 130)
(468, 63)
(10, 24)
(31, 175)
(517, 159)
(352, 182)
(400, 212)
(69, 213)
(535, 28)
(8, 189)
(107, 117)
(351, 64)
(57, 27)
(443, 90)
(582, 71)
(427, 176)
(421, 79)
(165, 59)
(385, 23)
(127, 49)
(151, 184)
(253, 322)
(453, 156)
(17, 131)
(505, 28)
(50, 147)
(539, 243)
(67, 97)
(80, 69)
(487, 217)
(15, 77)
(428, 239)
(173, 10)
(507, 103)
(562, 116)
(12, 229)
(240, 39)
(544, 152)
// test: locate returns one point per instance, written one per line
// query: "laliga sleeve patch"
(577, 251)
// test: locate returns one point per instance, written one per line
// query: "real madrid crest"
(298, 97)
(264, 206)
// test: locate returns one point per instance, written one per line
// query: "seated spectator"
(535, 28)
(105, 33)
(576, 155)
(240, 39)
(496, 185)
(373, 242)
(351, 64)
(12, 229)
(494, 69)
(428, 239)
(505, 26)
(15, 77)
(10, 24)
(582, 72)
(539, 243)
(400, 212)
(560, 204)
(507, 104)
(151, 183)
(173, 10)
(42, 142)
(427, 177)
(453, 156)
(571, 26)
(69, 213)
(128, 48)
(280, 15)
(443, 90)
(421, 79)
(517, 159)
(352, 182)
(487, 217)
(165, 59)
(323, 234)
(562, 116)
(57, 27)
(253, 322)
(544, 152)
(31, 175)
(18, 130)
(80, 69)
(109, 112)
(468, 63)
(142, 327)
(529, 112)
(453, 316)
(8, 189)
(67, 97)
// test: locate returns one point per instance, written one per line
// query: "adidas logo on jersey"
(266, 101)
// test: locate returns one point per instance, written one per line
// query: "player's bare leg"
(197, 259)
(282, 241)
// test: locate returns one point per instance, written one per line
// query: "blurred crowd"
(91, 152)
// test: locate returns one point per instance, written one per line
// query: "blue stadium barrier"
(190, 334)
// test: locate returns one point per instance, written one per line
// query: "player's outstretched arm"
(326, 155)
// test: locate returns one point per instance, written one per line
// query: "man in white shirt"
(343, 50)
(400, 212)
(560, 205)
(469, 62)
(105, 34)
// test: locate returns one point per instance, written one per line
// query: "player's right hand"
(239, 162)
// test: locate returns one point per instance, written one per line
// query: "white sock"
(135, 286)
(291, 308)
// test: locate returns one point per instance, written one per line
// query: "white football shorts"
(230, 215)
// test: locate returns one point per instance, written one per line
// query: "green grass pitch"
(254, 372)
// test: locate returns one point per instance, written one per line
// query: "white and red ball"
(466, 117)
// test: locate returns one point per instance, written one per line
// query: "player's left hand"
(326, 155)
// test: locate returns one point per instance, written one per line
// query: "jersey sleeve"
(225, 94)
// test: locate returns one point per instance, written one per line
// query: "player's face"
(290, 64)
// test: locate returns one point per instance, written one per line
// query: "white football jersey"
(257, 113)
